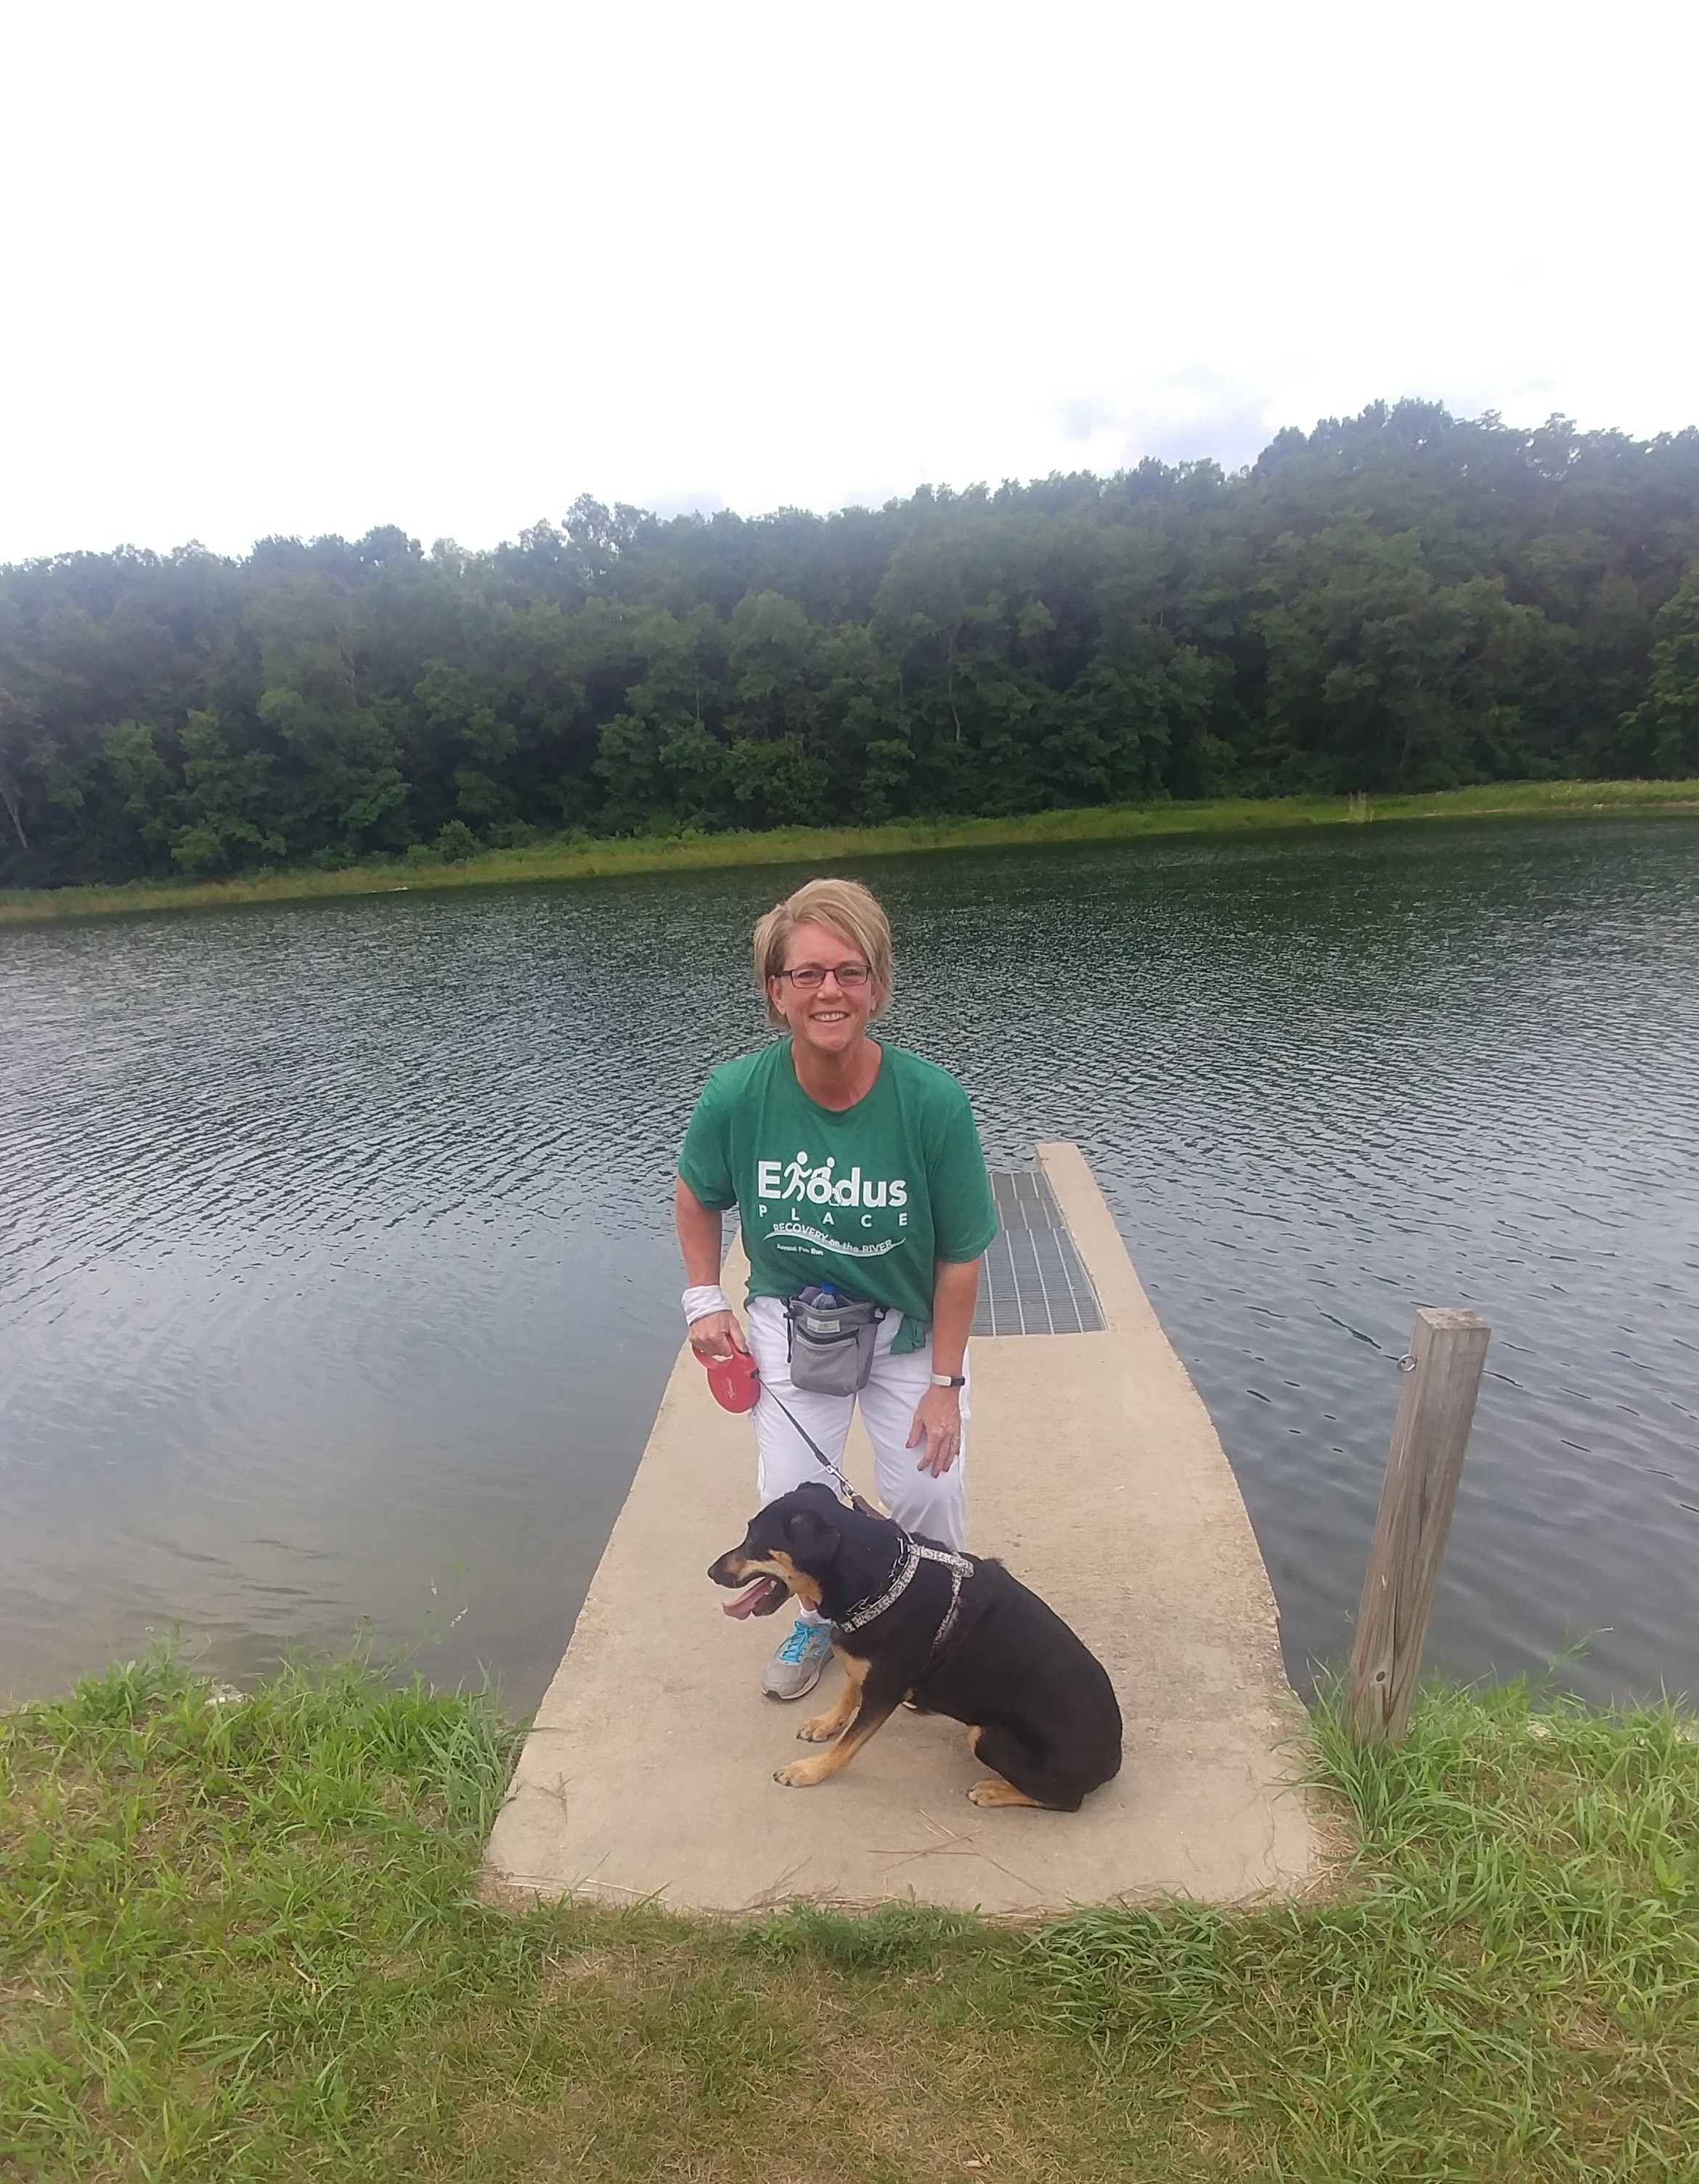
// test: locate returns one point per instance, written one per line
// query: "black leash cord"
(821, 1457)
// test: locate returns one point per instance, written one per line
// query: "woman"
(856, 1166)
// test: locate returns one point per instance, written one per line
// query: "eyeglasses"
(809, 978)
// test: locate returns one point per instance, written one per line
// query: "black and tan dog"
(957, 1632)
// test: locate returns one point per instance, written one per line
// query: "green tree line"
(1401, 600)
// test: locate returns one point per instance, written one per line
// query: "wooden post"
(1436, 1406)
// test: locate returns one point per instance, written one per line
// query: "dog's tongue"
(746, 1602)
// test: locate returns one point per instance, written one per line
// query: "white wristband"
(700, 1301)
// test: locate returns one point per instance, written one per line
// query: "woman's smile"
(828, 1014)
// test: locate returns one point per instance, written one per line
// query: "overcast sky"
(304, 268)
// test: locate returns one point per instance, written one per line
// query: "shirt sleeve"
(964, 1214)
(704, 1160)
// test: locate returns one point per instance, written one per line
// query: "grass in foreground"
(241, 1941)
(578, 859)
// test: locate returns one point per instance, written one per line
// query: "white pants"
(918, 1502)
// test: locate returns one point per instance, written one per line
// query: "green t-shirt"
(865, 1197)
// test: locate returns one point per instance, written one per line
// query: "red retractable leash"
(736, 1383)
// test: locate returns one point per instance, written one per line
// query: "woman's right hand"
(717, 1334)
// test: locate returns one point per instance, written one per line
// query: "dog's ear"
(814, 1539)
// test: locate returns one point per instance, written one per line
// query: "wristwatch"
(949, 1380)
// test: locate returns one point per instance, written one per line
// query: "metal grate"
(1032, 1281)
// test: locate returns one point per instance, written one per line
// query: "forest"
(1401, 600)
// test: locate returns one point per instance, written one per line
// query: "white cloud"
(318, 267)
(1177, 416)
(694, 502)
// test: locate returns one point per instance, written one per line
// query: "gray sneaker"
(797, 1662)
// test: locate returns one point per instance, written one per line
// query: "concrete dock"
(1095, 1473)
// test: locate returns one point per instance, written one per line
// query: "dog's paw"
(800, 1774)
(992, 1791)
(820, 1728)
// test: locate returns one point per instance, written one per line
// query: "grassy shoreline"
(242, 1941)
(564, 860)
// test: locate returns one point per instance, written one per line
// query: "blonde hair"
(845, 907)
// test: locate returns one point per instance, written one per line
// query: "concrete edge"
(1127, 1310)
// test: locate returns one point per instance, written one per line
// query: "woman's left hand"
(938, 1423)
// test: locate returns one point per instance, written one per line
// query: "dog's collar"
(908, 1562)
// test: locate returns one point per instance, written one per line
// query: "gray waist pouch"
(831, 1342)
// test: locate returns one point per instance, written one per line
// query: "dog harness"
(960, 1568)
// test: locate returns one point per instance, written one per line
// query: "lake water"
(337, 1281)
